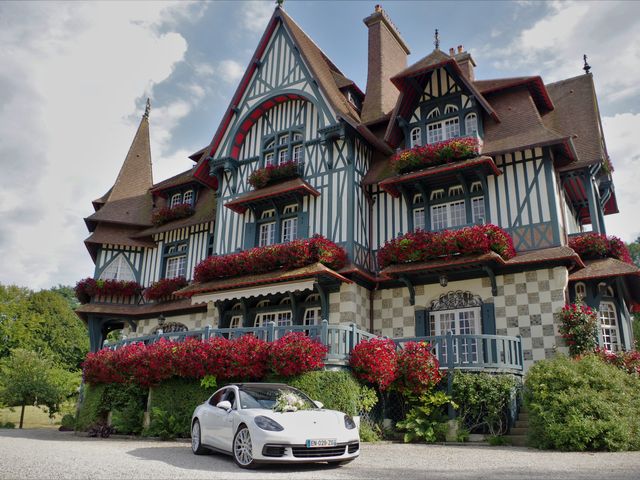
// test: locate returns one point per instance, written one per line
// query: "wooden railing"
(467, 352)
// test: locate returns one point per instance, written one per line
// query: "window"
(581, 290)
(267, 234)
(268, 159)
(461, 322)
(236, 321)
(289, 229)
(471, 124)
(417, 198)
(456, 190)
(118, 269)
(451, 128)
(450, 109)
(437, 194)
(268, 214)
(434, 113)
(175, 260)
(609, 326)
(416, 137)
(297, 154)
(477, 210)
(283, 140)
(434, 133)
(418, 218)
(188, 197)
(448, 215)
(176, 199)
(476, 187)
(280, 318)
(283, 156)
(283, 147)
(312, 316)
(293, 208)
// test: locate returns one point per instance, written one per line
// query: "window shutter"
(489, 328)
(303, 225)
(249, 235)
(422, 323)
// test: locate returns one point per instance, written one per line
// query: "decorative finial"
(147, 109)
(586, 67)
(436, 40)
(280, 3)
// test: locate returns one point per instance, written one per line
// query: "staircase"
(518, 434)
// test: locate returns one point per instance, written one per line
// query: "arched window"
(471, 125)
(581, 290)
(416, 137)
(176, 199)
(434, 113)
(171, 327)
(118, 269)
(450, 109)
(188, 197)
(283, 147)
(609, 325)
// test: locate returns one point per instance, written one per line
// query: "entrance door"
(464, 321)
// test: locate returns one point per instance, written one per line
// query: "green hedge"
(583, 404)
(92, 408)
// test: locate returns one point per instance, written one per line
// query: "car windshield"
(265, 397)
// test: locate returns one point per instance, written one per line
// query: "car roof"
(261, 384)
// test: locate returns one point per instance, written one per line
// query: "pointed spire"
(436, 40)
(279, 3)
(135, 177)
(147, 109)
(586, 67)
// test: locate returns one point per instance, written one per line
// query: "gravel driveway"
(36, 454)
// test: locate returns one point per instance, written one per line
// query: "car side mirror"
(318, 404)
(224, 405)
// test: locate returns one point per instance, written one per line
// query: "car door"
(211, 418)
(226, 431)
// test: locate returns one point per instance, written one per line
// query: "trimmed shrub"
(418, 369)
(582, 404)
(92, 408)
(127, 404)
(483, 401)
(296, 353)
(375, 361)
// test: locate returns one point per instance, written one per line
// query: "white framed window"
(434, 132)
(176, 199)
(118, 269)
(283, 156)
(236, 321)
(451, 128)
(471, 124)
(477, 210)
(176, 266)
(437, 194)
(609, 325)
(448, 215)
(418, 218)
(293, 208)
(289, 229)
(296, 153)
(434, 113)
(312, 316)
(476, 187)
(281, 318)
(416, 137)
(456, 190)
(267, 234)
(297, 137)
(284, 139)
(268, 214)
(417, 198)
(268, 159)
(581, 290)
(450, 108)
(271, 144)
(263, 303)
(465, 321)
(188, 197)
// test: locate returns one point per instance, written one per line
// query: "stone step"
(523, 416)
(524, 409)
(517, 440)
(519, 430)
(522, 424)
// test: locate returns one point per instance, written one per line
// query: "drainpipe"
(369, 196)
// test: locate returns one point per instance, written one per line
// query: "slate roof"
(181, 178)
(604, 268)
(138, 311)
(293, 186)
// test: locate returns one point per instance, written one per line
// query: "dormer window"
(185, 196)
(416, 137)
(175, 260)
(188, 197)
(471, 125)
(451, 128)
(118, 269)
(176, 199)
(282, 148)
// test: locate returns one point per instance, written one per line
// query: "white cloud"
(71, 76)
(230, 71)
(621, 132)
(255, 15)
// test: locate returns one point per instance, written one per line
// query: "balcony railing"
(468, 352)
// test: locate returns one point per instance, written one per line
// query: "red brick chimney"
(387, 57)
(465, 62)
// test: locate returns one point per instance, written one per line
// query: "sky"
(74, 78)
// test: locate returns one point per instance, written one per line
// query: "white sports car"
(270, 422)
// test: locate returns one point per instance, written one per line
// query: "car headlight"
(349, 423)
(265, 423)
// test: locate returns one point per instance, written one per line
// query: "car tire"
(242, 448)
(196, 439)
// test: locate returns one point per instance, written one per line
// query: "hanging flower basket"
(597, 245)
(89, 287)
(421, 246)
(274, 173)
(165, 287)
(423, 156)
(169, 214)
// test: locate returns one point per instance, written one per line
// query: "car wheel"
(243, 448)
(196, 439)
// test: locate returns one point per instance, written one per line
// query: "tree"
(28, 379)
(634, 250)
(68, 293)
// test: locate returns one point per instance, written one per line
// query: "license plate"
(321, 442)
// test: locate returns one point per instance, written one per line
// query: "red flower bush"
(89, 287)
(248, 358)
(287, 256)
(627, 361)
(448, 151)
(375, 361)
(597, 245)
(273, 173)
(100, 367)
(421, 246)
(168, 214)
(418, 368)
(579, 328)
(296, 353)
(164, 288)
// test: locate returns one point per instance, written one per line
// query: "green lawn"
(34, 417)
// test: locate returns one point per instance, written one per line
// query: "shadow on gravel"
(182, 457)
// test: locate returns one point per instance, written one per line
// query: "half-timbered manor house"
(541, 173)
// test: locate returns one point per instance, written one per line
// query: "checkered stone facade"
(350, 305)
(193, 321)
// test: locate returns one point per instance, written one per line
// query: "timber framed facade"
(541, 176)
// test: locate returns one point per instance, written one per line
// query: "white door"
(464, 321)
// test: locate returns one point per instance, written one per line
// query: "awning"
(294, 188)
(258, 291)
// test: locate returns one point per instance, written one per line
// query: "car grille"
(353, 447)
(301, 451)
(273, 451)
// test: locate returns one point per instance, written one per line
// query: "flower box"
(421, 246)
(433, 154)
(89, 287)
(270, 174)
(597, 245)
(168, 214)
(164, 287)
(295, 254)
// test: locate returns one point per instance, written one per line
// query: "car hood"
(307, 420)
